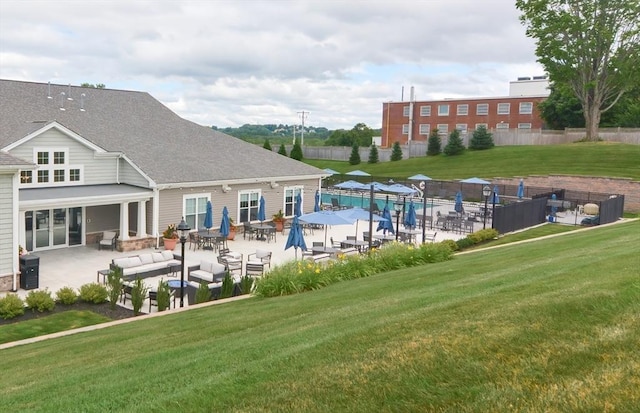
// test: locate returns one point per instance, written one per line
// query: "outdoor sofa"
(146, 265)
(207, 271)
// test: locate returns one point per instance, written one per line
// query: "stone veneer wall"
(628, 187)
(135, 244)
(6, 282)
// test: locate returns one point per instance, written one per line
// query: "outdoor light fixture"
(423, 188)
(397, 206)
(493, 206)
(486, 191)
(183, 232)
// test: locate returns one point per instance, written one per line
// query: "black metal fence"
(611, 209)
(519, 215)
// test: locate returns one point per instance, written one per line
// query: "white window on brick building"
(425, 110)
(482, 109)
(463, 109)
(405, 129)
(524, 126)
(443, 110)
(425, 128)
(526, 108)
(405, 111)
(478, 125)
(462, 128)
(504, 108)
(443, 128)
(502, 125)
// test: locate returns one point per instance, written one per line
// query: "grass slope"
(589, 159)
(543, 326)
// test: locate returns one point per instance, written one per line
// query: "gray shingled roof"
(9, 160)
(165, 146)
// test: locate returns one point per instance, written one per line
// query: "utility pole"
(303, 115)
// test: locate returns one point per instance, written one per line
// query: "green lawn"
(590, 159)
(53, 323)
(543, 326)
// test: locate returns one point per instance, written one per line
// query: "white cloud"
(227, 63)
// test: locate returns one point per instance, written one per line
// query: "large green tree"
(590, 45)
(354, 158)
(360, 134)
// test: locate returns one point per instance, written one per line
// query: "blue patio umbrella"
(225, 224)
(458, 206)
(297, 208)
(359, 214)
(326, 218)
(401, 189)
(295, 239)
(419, 177)
(496, 196)
(410, 217)
(386, 225)
(358, 172)
(208, 217)
(331, 171)
(316, 205)
(521, 189)
(351, 185)
(261, 209)
(475, 180)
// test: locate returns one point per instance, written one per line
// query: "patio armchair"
(253, 268)
(262, 256)
(334, 244)
(108, 240)
(248, 231)
(125, 293)
(231, 263)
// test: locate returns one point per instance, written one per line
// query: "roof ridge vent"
(82, 96)
(49, 91)
(62, 95)
(69, 95)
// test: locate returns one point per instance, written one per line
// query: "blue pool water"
(362, 201)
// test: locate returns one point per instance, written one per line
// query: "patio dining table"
(410, 233)
(324, 250)
(211, 239)
(355, 243)
(264, 231)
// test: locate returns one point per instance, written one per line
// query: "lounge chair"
(108, 240)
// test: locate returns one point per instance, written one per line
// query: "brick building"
(413, 120)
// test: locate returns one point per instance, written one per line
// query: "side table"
(104, 274)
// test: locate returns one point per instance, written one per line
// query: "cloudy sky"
(227, 63)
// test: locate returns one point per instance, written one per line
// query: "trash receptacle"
(551, 218)
(29, 271)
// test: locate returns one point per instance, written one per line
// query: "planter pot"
(232, 234)
(279, 225)
(170, 243)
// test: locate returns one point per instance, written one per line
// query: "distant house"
(75, 162)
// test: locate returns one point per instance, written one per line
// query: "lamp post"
(398, 208)
(183, 231)
(486, 191)
(423, 188)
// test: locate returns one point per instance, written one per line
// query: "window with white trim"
(526, 108)
(504, 108)
(502, 125)
(463, 109)
(425, 128)
(443, 128)
(58, 175)
(443, 110)
(26, 177)
(425, 110)
(405, 111)
(74, 175)
(462, 128)
(43, 176)
(405, 129)
(479, 125)
(524, 126)
(53, 168)
(195, 209)
(290, 194)
(482, 109)
(58, 158)
(249, 203)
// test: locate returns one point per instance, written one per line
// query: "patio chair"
(335, 205)
(253, 268)
(375, 209)
(153, 299)
(334, 244)
(320, 243)
(468, 226)
(262, 256)
(108, 240)
(232, 264)
(248, 231)
(125, 292)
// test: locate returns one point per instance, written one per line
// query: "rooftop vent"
(524, 78)
(539, 77)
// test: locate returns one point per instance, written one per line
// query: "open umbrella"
(458, 206)
(358, 172)
(475, 180)
(387, 224)
(326, 218)
(208, 217)
(297, 208)
(351, 185)
(359, 214)
(295, 239)
(331, 171)
(410, 217)
(419, 177)
(316, 205)
(521, 189)
(225, 224)
(261, 209)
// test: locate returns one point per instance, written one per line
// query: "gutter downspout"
(16, 226)
(409, 138)
(156, 216)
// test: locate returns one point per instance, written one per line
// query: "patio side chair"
(262, 256)
(108, 240)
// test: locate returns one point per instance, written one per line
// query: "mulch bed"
(104, 309)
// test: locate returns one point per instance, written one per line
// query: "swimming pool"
(362, 201)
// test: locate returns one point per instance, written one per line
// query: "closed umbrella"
(386, 225)
(297, 208)
(261, 209)
(521, 189)
(410, 217)
(458, 206)
(208, 217)
(316, 205)
(225, 225)
(295, 239)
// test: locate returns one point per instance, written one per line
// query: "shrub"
(246, 284)
(227, 286)
(434, 144)
(203, 294)
(396, 152)
(451, 244)
(40, 301)
(481, 139)
(114, 286)
(93, 293)
(267, 145)
(11, 306)
(282, 150)
(465, 242)
(164, 295)
(373, 154)
(354, 158)
(455, 145)
(67, 296)
(138, 295)
(296, 152)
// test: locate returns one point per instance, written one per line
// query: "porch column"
(124, 221)
(142, 219)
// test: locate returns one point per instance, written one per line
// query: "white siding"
(6, 224)
(128, 175)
